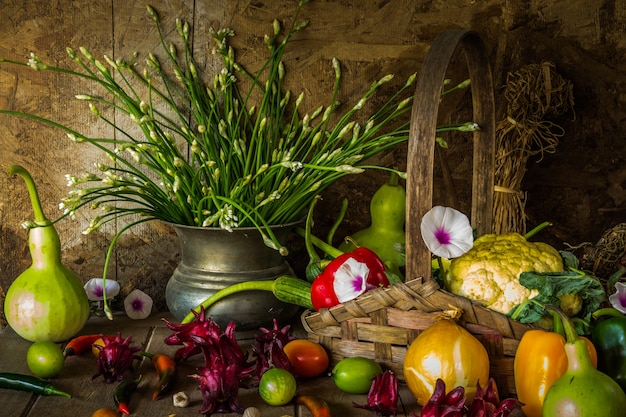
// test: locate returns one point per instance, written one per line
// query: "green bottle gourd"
(386, 231)
(582, 391)
(46, 302)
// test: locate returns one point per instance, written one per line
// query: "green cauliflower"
(489, 272)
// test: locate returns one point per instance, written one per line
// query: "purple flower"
(447, 232)
(618, 299)
(350, 280)
(138, 305)
(95, 289)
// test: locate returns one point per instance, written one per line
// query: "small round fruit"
(277, 386)
(105, 412)
(45, 359)
(308, 358)
(355, 375)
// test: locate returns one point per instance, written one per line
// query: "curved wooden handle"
(421, 147)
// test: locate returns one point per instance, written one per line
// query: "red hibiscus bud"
(115, 358)
(383, 395)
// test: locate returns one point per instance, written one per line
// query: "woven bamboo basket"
(383, 322)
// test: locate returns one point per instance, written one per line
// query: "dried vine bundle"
(534, 93)
(605, 257)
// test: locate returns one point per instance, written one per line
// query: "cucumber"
(293, 290)
(285, 288)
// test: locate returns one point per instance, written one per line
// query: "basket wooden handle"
(421, 146)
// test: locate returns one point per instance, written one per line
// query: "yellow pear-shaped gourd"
(46, 302)
(448, 351)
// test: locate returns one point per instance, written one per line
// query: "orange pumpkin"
(445, 350)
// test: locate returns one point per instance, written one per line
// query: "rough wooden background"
(580, 188)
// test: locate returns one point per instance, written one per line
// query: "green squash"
(46, 302)
(385, 235)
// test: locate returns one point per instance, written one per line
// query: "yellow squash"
(445, 350)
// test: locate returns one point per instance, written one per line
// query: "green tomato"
(277, 386)
(45, 359)
(355, 375)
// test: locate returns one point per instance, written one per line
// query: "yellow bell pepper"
(539, 361)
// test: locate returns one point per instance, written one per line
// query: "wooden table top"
(88, 395)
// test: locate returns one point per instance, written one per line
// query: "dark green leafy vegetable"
(571, 290)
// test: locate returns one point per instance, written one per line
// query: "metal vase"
(213, 259)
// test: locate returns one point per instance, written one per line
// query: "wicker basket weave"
(383, 322)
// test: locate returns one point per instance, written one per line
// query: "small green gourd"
(582, 391)
(46, 302)
(385, 235)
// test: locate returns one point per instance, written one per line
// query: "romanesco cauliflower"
(489, 272)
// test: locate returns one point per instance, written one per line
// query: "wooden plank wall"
(371, 38)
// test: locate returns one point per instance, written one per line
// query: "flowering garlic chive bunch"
(228, 151)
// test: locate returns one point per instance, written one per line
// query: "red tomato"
(309, 359)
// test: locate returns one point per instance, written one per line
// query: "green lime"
(355, 375)
(45, 359)
(277, 386)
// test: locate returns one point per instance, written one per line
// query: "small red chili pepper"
(82, 344)
(122, 394)
(348, 276)
(166, 368)
(316, 406)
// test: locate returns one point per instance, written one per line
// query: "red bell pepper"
(348, 276)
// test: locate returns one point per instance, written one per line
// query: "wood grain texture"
(371, 38)
(89, 395)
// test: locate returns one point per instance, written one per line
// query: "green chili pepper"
(609, 338)
(29, 383)
(122, 394)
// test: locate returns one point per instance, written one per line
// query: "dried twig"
(534, 92)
